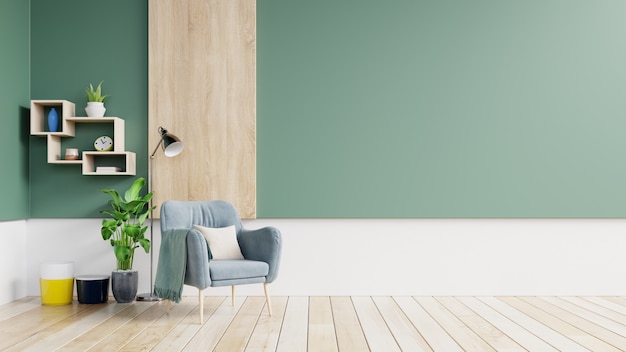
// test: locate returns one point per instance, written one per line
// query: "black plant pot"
(124, 285)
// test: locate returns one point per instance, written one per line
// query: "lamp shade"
(172, 146)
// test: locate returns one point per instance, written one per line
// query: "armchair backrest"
(177, 214)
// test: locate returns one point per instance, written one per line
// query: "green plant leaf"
(135, 206)
(121, 252)
(117, 199)
(107, 232)
(133, 192)
(145, 244)
(99, 89)
(133, 231)
(95, 95)
(145, 215)
(118, 216)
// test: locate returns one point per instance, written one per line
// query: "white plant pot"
(95, 109)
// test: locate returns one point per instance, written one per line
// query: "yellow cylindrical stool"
(56, 283)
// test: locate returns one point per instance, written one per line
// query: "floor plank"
(12, 309)
(586, 313)
(321, 323)
(617, 300)
(378, 335)
(461, 333)
(166, 323)
(607, 302)
(545, 333)
(437, 338)
(129, 330)
(321, 326)
(33, 321)
(561, 326)
(56, 335)
(487, 331)
(105, 328)
(618, 317)
(350, 336)
(579, 322)
(293, 335)
(236, 337)
(180, 335)
(265, 335)
(504, 324)
(214, 327)
(403, 330)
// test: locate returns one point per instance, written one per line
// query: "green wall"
(409, 108)
(74, 43)
(14, 103)
(447, 108)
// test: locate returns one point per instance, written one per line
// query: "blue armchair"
(261, 248)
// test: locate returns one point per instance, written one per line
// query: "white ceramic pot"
(95, 109)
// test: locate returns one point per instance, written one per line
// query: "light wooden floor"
(321, 324)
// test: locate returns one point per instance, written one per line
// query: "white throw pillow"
(222, 241)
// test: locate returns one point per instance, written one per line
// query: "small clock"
(103, 144)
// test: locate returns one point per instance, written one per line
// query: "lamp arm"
(157, 148)
(150, 171)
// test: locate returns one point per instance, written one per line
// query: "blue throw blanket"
(170, 275)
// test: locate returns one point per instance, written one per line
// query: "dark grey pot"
(124, 285)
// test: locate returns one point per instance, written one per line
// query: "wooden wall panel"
(202, 81)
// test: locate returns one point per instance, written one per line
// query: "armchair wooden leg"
(233, 295)
(267, 298)
(201, 301)
(169, 304)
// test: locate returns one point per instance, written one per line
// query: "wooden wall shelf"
(67, 126)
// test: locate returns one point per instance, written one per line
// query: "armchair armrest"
(264, 244)
(197, 272)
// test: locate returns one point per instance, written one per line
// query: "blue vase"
(53, 120)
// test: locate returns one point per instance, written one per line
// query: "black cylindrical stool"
(92, 289)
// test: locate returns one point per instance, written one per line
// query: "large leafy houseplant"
(126, 229)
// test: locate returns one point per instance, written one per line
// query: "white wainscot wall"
(13, 274)
(391, 257)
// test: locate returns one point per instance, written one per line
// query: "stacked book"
(108, 169)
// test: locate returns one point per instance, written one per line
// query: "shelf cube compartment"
(39, 110)
(125, 161)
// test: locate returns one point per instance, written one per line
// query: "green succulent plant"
(95, 95)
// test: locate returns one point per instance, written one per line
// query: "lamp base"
(148, 297)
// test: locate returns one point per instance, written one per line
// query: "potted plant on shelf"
(95, 101)
(126, 232)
